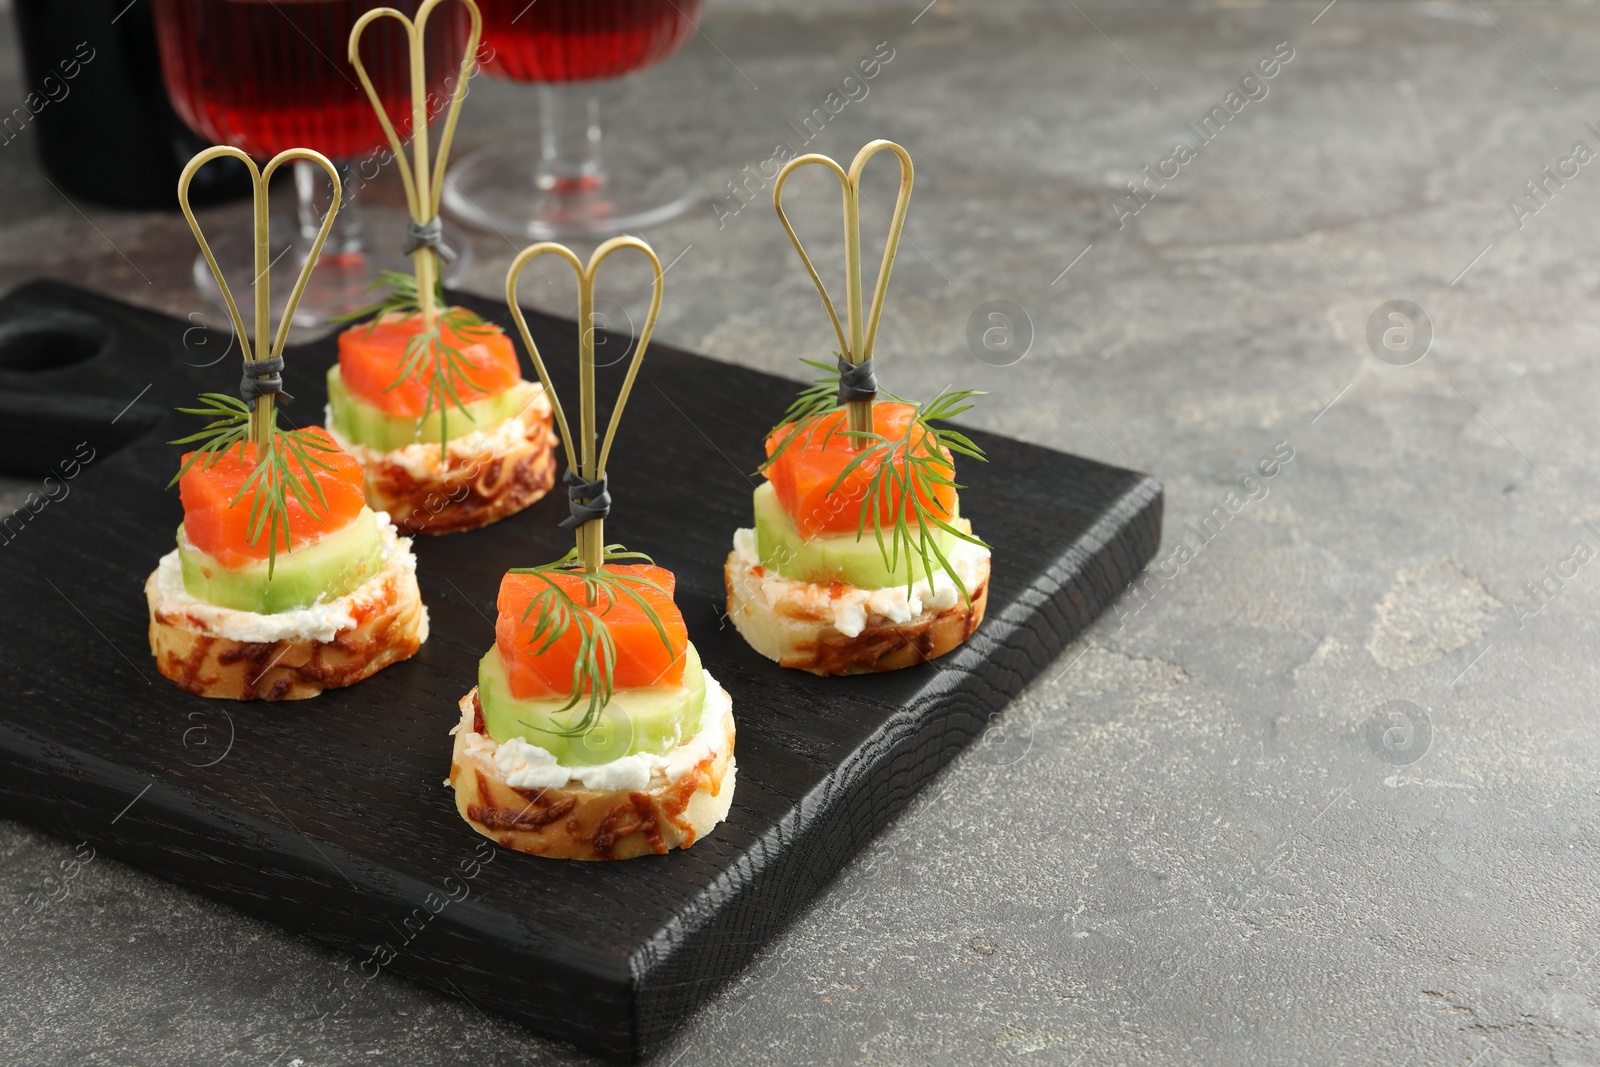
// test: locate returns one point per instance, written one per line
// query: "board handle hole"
(32, 348)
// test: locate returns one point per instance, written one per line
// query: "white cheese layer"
(852, 607)
(527, 766)
(421, 459)
(320, 622)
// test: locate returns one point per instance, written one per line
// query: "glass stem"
(312, 195)
(569, 138)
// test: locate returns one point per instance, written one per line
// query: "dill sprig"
(558, 612)
(428, 350)
(905, 470)
(399, 296)
(806, 409)
(275, 477)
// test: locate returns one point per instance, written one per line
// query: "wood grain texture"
(328, 816)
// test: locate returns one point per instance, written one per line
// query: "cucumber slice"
(366, 424)
(654, 719)
(832, 557)
(325, 569)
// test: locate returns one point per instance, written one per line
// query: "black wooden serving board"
(328, 816)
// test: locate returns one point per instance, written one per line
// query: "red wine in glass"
(569, 183)
(266, 75)
(582, 40)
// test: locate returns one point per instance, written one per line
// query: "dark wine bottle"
(96, 111)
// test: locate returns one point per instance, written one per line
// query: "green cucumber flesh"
(325, 570)
(366, 424)
(835, 557)
(654, 719)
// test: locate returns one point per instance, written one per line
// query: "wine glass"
(264, 76)
(572, 181)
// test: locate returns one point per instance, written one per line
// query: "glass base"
(501, 189)
(341, 281)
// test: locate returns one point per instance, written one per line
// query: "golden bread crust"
(389, 628)
(466, 491)
(577, 823)
(806, 639)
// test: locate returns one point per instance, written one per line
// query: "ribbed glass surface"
(265, 75)
(582, 40)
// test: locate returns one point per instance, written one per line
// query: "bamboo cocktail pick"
(423, 179)
(242, 478)
(857, 384)
(590, 500)
(647, 772)
(284, 460)
(265, 369)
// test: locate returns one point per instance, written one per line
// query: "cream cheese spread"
(527, 766)
(320, 622)
(850, 607)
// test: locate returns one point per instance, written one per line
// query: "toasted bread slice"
(206, 651)
(575, 822)
(483, 477)
(799, 628)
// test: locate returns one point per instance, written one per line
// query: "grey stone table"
(1324, 789)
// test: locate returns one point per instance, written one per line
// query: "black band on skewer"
(856, 381)
(252, 386)
(428, 235)
(586, 500)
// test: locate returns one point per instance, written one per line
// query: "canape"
(594, 732)
(646, 768)
(428, 397)
(440, 460)
(283, 582)
(325, 599)
(859, 559)
(810, 587)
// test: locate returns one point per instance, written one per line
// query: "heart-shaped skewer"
(262, 407)
(856, 348)
(582, 456)
(422, 177)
